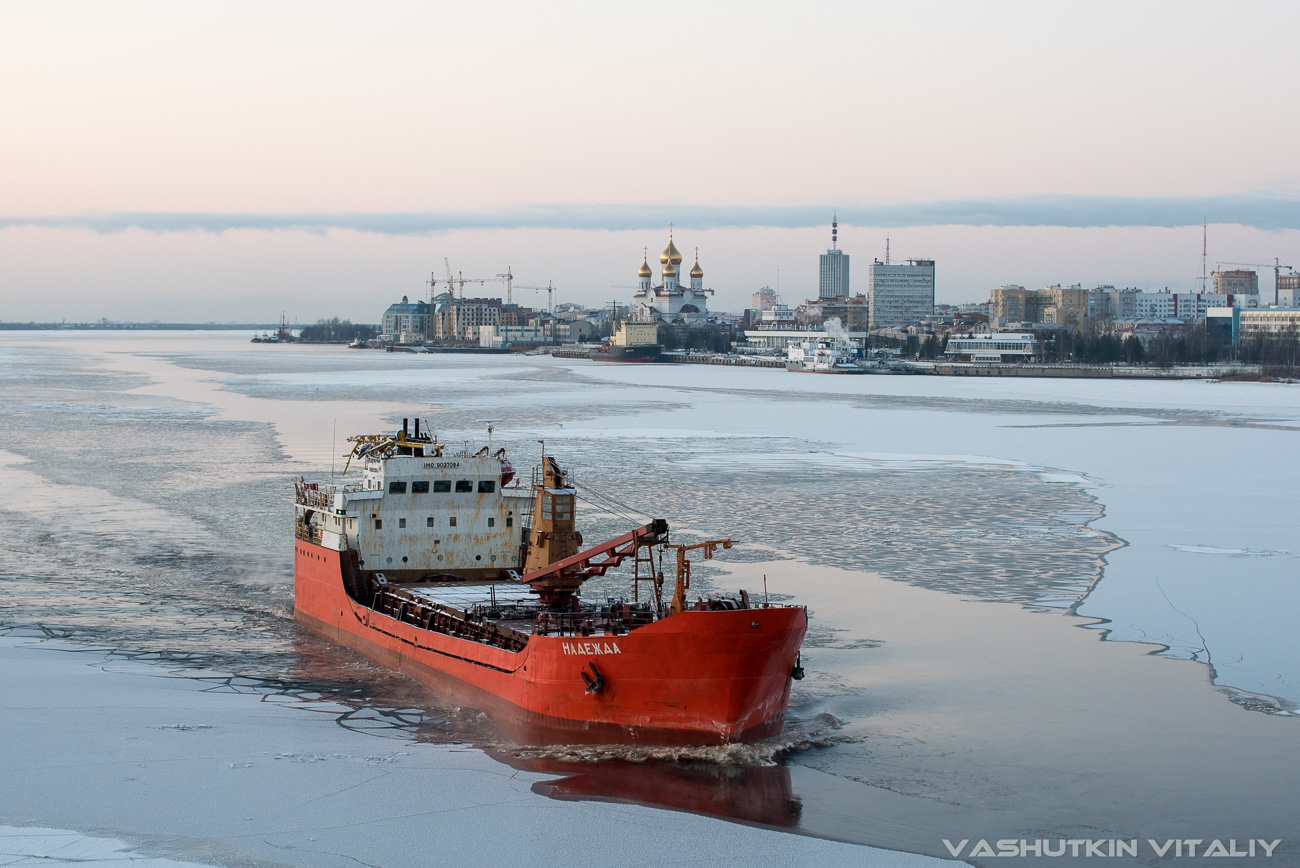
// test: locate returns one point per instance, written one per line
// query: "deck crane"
(1276, 265)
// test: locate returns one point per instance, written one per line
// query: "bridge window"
(510, 522)
(464, 486)
(401, 522)
(452, 521)
(487, 486)
(441, 486)
(379, 524)
(428, 522)
(492, 522)
(397, 487)
(420, 486)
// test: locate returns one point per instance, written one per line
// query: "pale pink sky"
(304, 108)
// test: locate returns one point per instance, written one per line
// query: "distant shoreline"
(136, 326)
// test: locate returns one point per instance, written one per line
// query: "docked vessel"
(433, 564)
(282, 335)
(634, 341)
(824, 356)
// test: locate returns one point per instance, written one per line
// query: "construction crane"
(509, 279)
(550, 294)
(1276, 265)
(456, 284)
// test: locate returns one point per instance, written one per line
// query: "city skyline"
(323, 160)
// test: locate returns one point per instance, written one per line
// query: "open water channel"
(1039, 609)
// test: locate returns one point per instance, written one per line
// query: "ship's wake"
(799, 735)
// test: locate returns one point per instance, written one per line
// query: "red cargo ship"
(434, 565)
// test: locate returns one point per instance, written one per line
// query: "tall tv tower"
(1204, 252)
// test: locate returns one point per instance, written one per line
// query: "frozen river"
(1040, 609)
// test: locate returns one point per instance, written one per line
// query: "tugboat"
(433, 564)
(635, 341)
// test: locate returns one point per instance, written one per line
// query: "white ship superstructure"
(419, 508)
(823, 356)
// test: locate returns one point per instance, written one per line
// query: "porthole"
(439, 557)
(478, 557)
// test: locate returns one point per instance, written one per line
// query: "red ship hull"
(711, 677)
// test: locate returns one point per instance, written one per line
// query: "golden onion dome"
(671, 254)
(670, 270)
(696, 271)
(645, 271)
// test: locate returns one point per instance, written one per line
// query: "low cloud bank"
(1269, 213)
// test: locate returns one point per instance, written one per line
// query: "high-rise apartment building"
(900, 294)
(833, 276)
(1236, 282)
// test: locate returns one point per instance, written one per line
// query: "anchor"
(596, 682)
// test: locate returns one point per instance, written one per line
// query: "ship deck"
(467, 595)
(511, 599)
(517, 604)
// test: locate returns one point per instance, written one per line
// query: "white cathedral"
(671, 302)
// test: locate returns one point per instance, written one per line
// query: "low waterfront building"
(778, 340)
(497, 336)
(993, 347)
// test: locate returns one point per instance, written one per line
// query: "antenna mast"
(1204, 252)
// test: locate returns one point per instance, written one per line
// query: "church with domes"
(671, 302)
